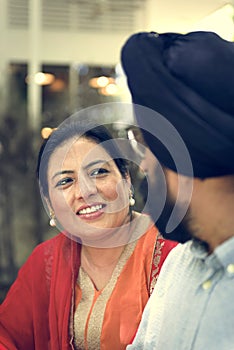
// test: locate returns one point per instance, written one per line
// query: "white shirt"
(192, 306)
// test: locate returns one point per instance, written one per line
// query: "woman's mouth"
(91, 212)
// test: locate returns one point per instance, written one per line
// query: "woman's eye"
(64, 182)
(99, 172)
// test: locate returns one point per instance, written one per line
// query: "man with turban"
(183, 97)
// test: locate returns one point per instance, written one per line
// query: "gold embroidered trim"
(157, 253)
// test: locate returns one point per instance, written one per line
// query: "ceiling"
(187, 9)
(78, 15)
(113, 15)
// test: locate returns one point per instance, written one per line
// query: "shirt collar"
(223, 255)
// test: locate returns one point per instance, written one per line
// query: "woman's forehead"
(78, 149)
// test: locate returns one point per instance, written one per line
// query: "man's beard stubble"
(181, 232)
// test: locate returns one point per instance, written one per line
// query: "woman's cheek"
(60, 200)
(113, 190)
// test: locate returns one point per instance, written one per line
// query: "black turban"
(189, 80)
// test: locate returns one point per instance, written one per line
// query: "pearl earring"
(131, 200)
(52, 220)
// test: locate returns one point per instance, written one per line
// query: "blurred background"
(58, 57)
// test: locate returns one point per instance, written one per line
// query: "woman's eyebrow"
(95, 162)
(62, 172)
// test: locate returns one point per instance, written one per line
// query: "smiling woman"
(86, 184)
(87, 287)
(89, 190)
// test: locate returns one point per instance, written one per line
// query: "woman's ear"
(128, 179)
(48, 204)
(129, 183)
(50, 212)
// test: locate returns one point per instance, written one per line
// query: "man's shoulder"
(180, 250)
(177, 261)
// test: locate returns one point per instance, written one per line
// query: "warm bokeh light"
(109, 90)
(41, 78)
(58, 85)
(46, 132)
(112, 89)
(44, 78)
(100, 82)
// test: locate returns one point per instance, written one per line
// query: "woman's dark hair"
(73, 127)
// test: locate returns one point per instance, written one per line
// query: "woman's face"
(86, 188)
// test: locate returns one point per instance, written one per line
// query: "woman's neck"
(100, 257)
(99, 263)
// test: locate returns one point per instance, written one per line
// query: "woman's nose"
(85, 188)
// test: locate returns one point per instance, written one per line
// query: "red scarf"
(40, 298)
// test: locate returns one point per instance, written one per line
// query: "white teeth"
(90, 209)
